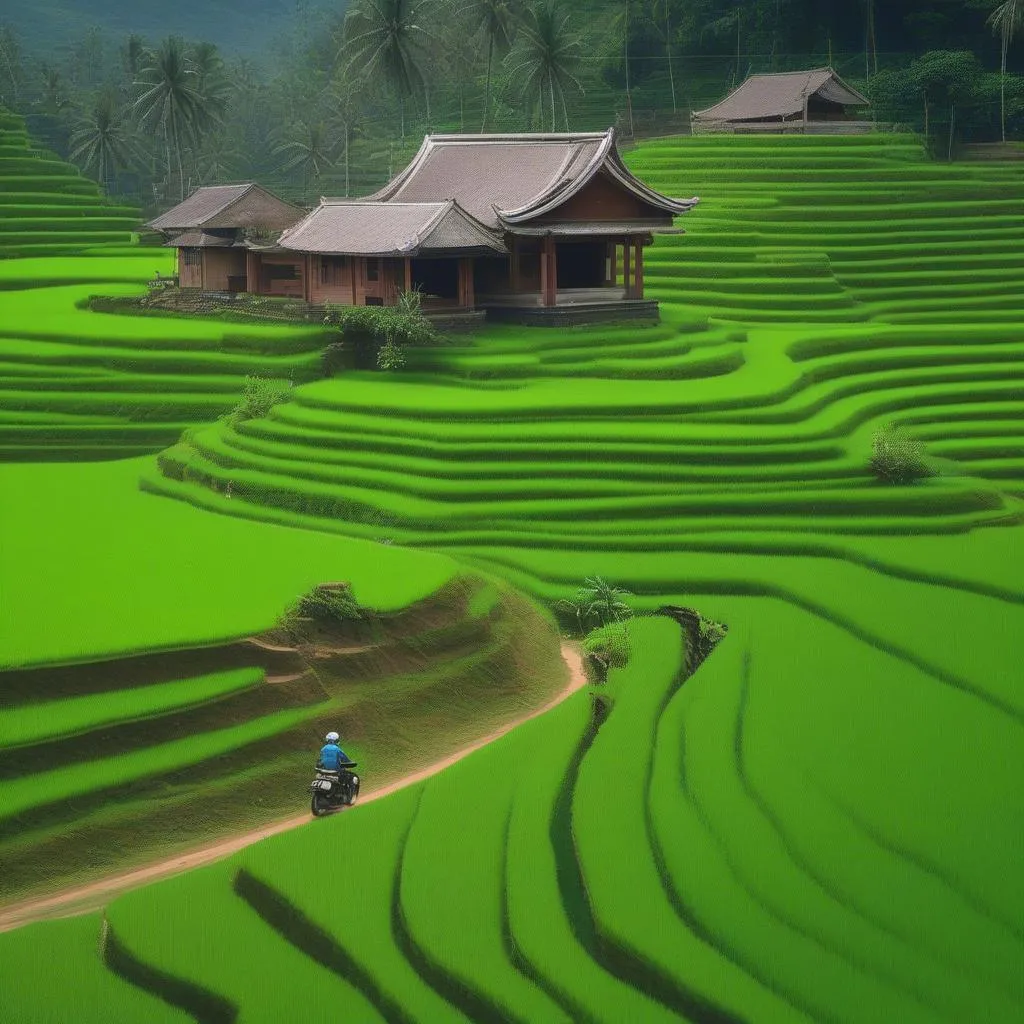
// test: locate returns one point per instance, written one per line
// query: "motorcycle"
(334, 789)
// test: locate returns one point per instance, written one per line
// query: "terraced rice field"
(823, 823)
(46, 207)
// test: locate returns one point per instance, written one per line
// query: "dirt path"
(84, 898)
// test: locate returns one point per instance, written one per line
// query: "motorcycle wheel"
(319, 805)
(353, 791)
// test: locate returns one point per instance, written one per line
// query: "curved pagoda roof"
(779, 96)
(505, 180)
(367, 228)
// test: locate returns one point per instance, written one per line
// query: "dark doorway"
(438, 280)
(580, 264)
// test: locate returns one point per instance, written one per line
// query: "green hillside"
(47, 207)
(822, 823)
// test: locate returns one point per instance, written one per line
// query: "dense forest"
(332, 99)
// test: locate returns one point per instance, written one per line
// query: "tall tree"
(311, 146)
(101, 140)
(388, 40)
(1005, 20)
(10, 65)
(170, 101)
(133, 56)
(547, 52)
(345, 100)
(495, 22)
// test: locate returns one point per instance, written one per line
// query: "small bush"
(391, 356)
(259, 396)
(378, 333)
(324, 607)
(596, 603)
(607, 647)
(897, 458)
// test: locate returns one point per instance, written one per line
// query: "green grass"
(50, 719)
(26, 171)
(238, 956)
(27, 972)
(170, 576)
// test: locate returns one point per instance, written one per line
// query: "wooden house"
(813, 102)
(214, 230)
(535, 228)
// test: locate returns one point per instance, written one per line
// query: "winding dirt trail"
(82, 899)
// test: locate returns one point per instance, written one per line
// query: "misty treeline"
(342, 102)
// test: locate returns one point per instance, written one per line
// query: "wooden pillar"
(408, 273)
(513, 266)
(307, 284)
(626, 268)
(544, 273)
(353, 262)
(467, 298)
(638, 286)
(549, 272)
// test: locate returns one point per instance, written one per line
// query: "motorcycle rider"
(332, 757)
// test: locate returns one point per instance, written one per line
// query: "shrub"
(390, 356)
(607, 647)
(897, 458)
(378, 333)
(596, 603)
(259, 396)
(325, 606)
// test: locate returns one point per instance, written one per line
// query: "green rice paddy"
(823, 823)
(46, 207)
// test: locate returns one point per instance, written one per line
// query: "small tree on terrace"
(596, 602)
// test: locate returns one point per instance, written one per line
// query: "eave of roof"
(201, 240)
(571, 228)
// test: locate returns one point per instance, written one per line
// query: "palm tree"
(100, 140)
(170, 101)
(495, 21)
(133, 56)
(388, 39)
(10, 62)
(546, 53)
(604, 600)
(211, 82)
(311, 147)
(1005, 19)
(345, 99)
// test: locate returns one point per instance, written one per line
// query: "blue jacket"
(332, 757)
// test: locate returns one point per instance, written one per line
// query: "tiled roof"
(204, 203)
(368, 228)
(200, 240)
(228, 207)
(505, 179)
(782, 95)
